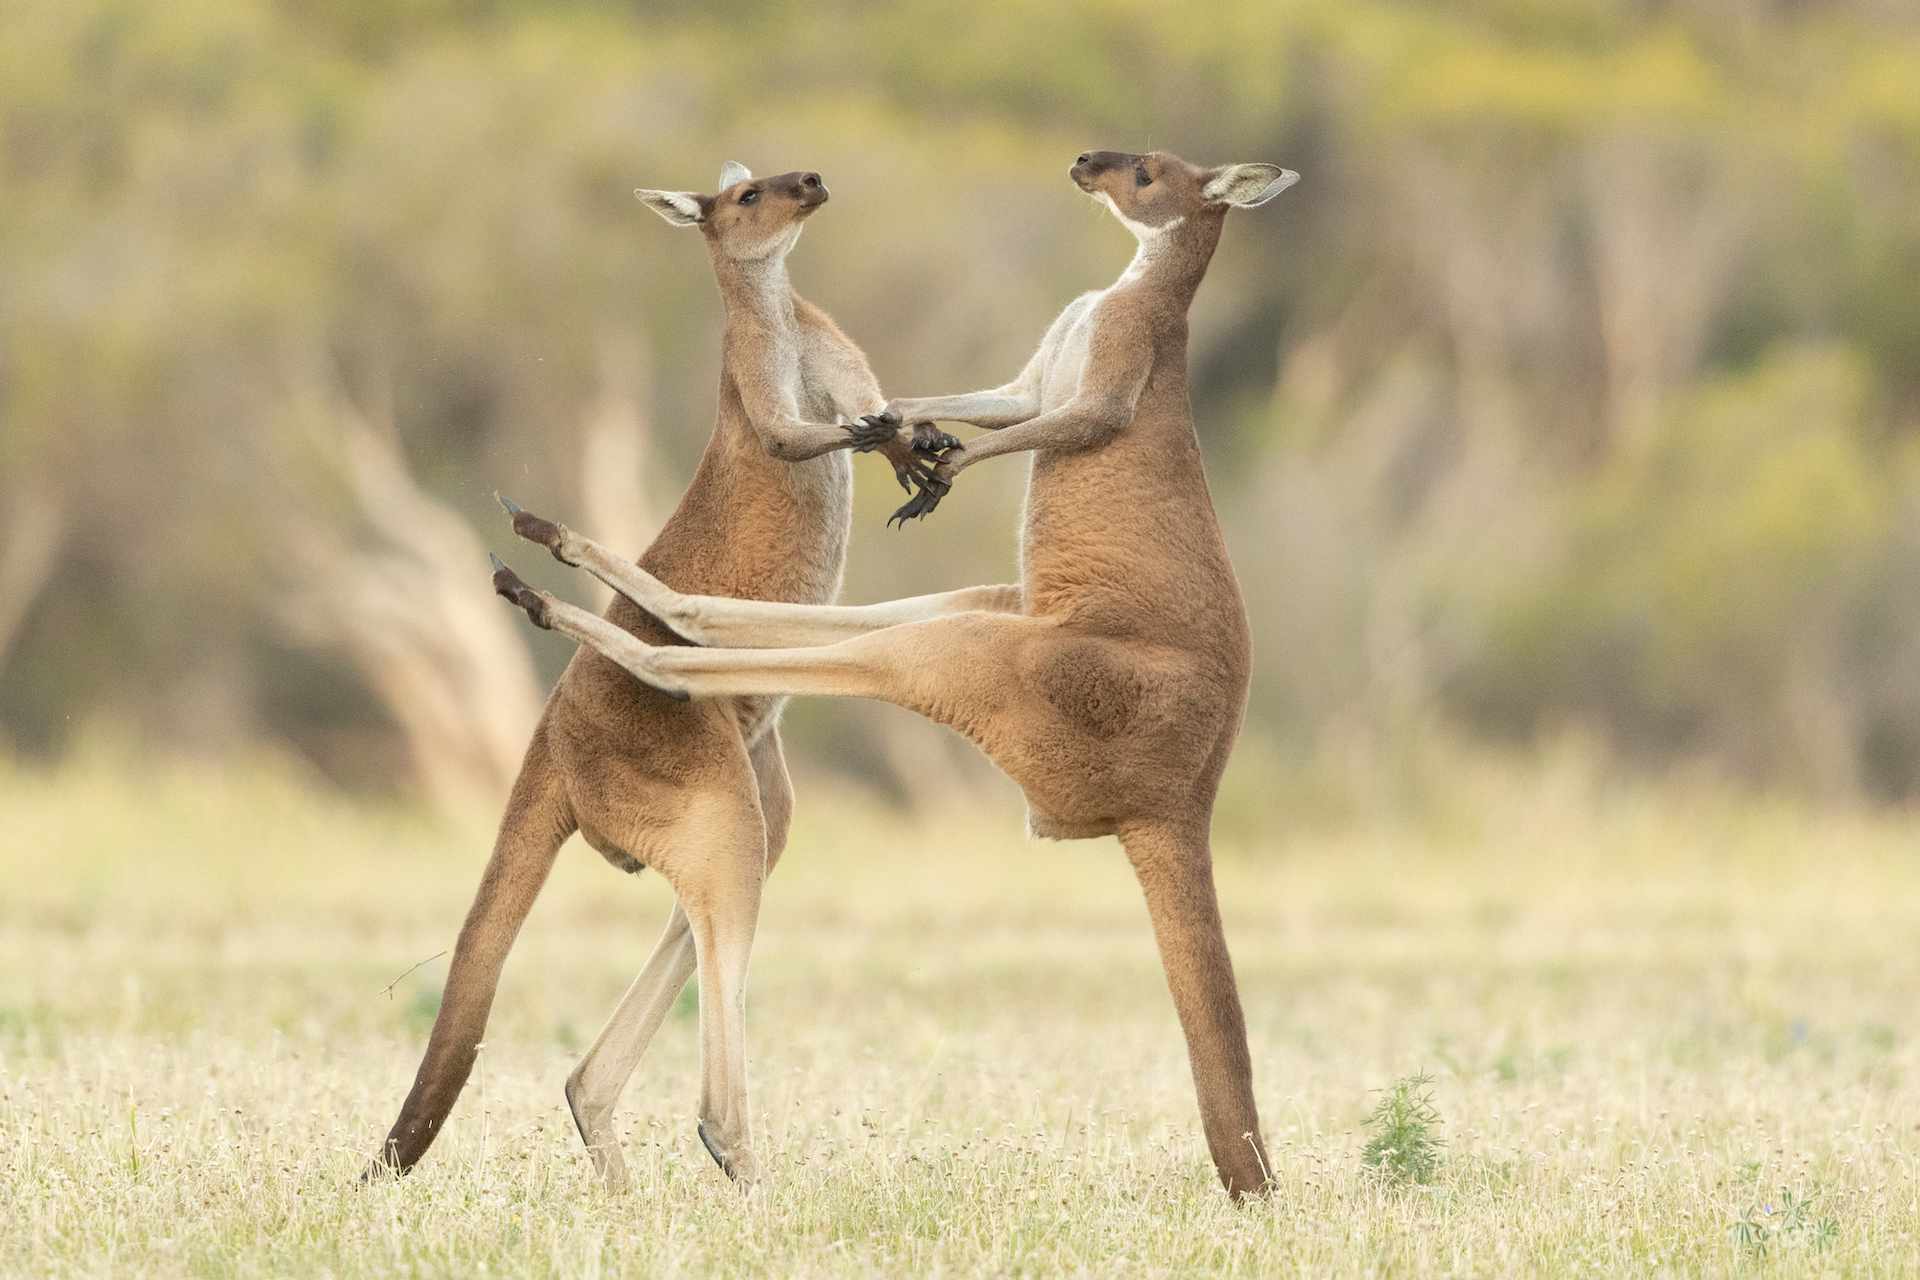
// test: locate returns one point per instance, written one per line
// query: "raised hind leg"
(959, 669)
(724, 621)
(595, 1086)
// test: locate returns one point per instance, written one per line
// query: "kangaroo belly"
(750, 527)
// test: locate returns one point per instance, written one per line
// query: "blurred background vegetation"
(1571, 398)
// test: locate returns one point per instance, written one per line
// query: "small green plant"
(1404, 1146)
(1794, 1218)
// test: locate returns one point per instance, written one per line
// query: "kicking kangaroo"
(699, 791)
(1110, 684)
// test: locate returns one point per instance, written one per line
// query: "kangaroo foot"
(554, 537)
(508, 586)
(736, 1164)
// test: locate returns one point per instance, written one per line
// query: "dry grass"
(1649, 1021)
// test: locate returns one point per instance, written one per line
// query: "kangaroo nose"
(1083, 158)
(809, 179)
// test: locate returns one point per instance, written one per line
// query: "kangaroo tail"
(537, 821)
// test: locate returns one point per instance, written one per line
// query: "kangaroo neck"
(1171, 261)
(756, 290)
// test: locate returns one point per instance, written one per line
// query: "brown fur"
(1111, 684)
(698, 790)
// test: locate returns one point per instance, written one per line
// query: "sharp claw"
(512, 507)
(508, 586)
(907, 511)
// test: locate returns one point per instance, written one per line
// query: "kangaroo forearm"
(1067, 429)
(793, 441)
(993, 410)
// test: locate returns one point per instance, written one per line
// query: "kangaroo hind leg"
(1175, 869)
(537, 821)
(594, 1087)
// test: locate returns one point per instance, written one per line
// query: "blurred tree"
(1577, 383)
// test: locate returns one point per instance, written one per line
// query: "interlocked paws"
(930, 441)
(921, 468)
(934, 483)
(509, 587)
(872, 431)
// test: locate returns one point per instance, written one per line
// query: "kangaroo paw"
(932, 441)
(932, 488)
(872, 431)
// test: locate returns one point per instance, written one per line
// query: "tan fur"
(1110, 685)
(697, 790)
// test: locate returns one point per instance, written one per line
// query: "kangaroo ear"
(1247, 185)
(731, 172)
(681, 208)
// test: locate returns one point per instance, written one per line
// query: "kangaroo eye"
(749, 196)
(1141, 177)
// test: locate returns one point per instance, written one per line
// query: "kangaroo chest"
(1067, 347)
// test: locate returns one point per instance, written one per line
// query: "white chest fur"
(1066, 355)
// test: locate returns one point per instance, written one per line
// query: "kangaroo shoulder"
(817, 325)
(820, 337)
(1069, 319)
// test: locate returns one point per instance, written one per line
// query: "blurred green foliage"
(1575, 387)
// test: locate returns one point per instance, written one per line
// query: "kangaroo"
(700, 791)
(1110, 683)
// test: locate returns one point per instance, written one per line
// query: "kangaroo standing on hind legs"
(1111, 683)
(698, 791)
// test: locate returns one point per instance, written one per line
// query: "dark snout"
(808, 190)
(1091, 164)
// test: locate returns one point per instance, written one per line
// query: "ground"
(1665, 1037)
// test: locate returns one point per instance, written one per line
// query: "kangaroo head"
(1158, 190)
(747, 217)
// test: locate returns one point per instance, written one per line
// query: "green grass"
(1403, 1142)
(1667, 1034)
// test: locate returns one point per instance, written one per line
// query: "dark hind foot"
(534, 529)
(508, 586)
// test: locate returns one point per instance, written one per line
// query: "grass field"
(1667, 1036)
